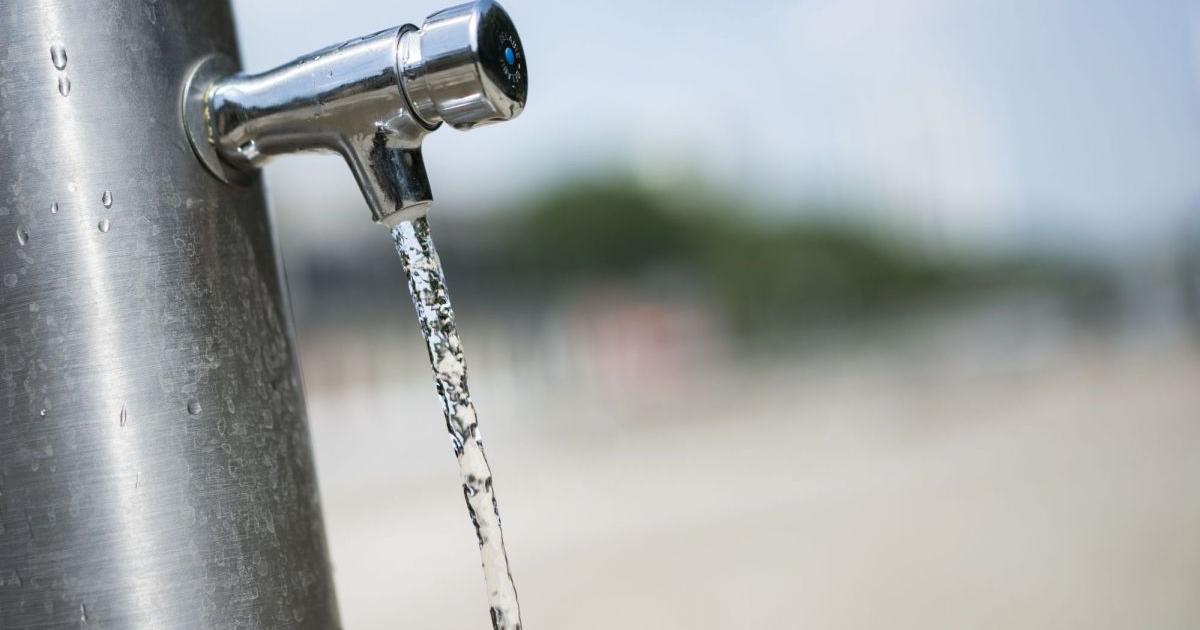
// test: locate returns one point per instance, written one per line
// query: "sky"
(1073, 122)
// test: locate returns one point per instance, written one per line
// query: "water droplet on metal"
(194, 407)
(124, 415)
(43, 413)
(83, 613)
(54, 208)
(58, 55)
(103, 225)
(64, 85)
(10, 280)
(72, 187)
(106, 199)
(22, 235)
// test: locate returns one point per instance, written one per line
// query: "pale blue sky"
(1000, 120)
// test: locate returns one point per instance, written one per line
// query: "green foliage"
(762, 274)
(599, 230)
(772, 277)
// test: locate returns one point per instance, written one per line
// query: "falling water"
(427, 284)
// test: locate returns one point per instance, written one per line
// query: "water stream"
(427, 284)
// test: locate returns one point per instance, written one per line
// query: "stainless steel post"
(155, 468)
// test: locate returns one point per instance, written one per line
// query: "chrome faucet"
(372, 100)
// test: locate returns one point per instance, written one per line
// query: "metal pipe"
(155, 467)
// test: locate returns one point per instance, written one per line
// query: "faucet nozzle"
(465, 66)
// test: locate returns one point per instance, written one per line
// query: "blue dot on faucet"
(510, 56)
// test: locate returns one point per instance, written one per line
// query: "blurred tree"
(762, 274)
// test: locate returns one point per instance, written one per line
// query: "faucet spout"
(346, 99)
(371, 100)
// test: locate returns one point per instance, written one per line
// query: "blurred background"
(784, 314)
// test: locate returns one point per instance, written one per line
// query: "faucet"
(371, 100)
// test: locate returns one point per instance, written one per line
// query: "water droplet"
(194, 407)
(58, 55)
(83, 613)
(103, 225)
(64, 85)
(22, 235)
(72, 187)
(106, 199)
(249, 150)
(54, 208)
(124, 415)
(10, 280)
(43, 413)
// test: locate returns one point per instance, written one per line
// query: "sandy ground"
(877, 490)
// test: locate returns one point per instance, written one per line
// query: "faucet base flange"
(195, 112)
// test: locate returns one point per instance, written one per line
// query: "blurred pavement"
(890, 485)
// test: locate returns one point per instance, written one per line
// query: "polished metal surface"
(193, 104)
(345, 99)
(465, 66)
(371, 100)
(155, 468)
